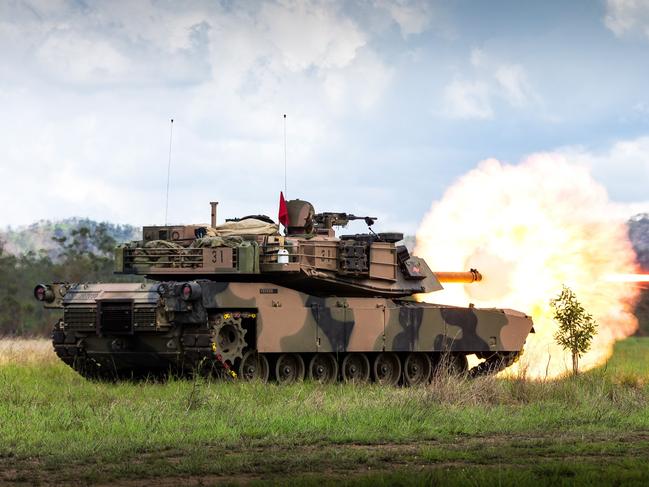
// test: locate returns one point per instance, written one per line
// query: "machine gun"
(329, 219)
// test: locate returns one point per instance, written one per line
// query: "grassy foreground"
(55, 427)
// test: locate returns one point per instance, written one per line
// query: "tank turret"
(315, 260)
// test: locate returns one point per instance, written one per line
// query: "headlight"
(44, 293)
(190, 291)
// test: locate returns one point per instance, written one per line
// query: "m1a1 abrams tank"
(244, 299)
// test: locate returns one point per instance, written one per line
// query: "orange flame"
(529, 229)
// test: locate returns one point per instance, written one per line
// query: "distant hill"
(39, 237)
(639, 235)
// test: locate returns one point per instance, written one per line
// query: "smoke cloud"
(529, 229)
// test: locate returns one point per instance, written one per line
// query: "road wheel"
(356, 368)
(387, 369)
(254, 366)
(289, 368)
(450, 364)
(458, 365)
(417, 369)
(323, 368)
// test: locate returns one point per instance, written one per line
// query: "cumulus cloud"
(350, 88)
(101, 44)
(627, 17)
(72, 57)
(309, 34)
(412, 17)
(149, 42)
(87, 90)
(514, 86)
(91, 88)
(475, 96)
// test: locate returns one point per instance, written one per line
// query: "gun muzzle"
(459, 277)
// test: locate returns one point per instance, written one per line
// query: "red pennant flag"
(283, 210)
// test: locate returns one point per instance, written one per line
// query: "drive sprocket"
(229, 336)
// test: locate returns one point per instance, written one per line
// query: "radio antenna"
(171, 133)
(285, 192)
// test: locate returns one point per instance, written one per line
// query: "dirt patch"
(214, 465)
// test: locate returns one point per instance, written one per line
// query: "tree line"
(84, 255)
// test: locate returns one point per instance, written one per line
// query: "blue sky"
(388, 103)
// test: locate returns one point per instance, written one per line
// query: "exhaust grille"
(115, 316)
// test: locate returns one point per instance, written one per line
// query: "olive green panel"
(119, 260)
(470, 329)
(237, 295)
(414, 328)
(473, 330)
(334, 328)
(248, 258)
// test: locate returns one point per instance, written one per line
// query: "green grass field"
(57, 428)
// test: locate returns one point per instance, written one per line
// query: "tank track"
(494, 364)
(85, 367)
(89, 369)
(207, 361)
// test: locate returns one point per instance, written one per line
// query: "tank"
(243, 300)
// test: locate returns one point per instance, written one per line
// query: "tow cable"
(225, 365)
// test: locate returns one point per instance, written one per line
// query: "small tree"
(576, 327)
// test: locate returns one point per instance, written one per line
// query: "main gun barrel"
(459, 277)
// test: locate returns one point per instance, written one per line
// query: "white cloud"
(412, 17)
(361, 86)
(478, 58)
(515, 88)
(623, 168)
(467, 99)
(91, 90)
(162, 28)
(71, 57)
(475, 96)
(154, 43)
(308, 34)
(100, 44)
(627, 17)
(87, 89)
